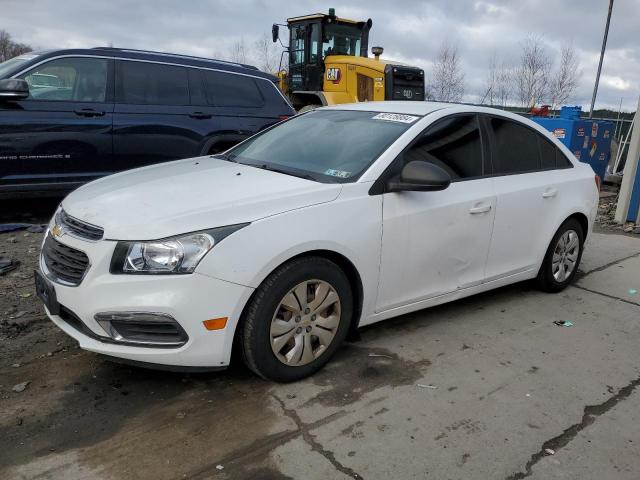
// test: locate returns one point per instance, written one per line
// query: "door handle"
(480, 209)
(199, 115)
(550, 193)
(88, 112)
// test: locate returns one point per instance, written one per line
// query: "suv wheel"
(297, 319)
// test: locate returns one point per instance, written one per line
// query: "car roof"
(404, 107)
(164, 57)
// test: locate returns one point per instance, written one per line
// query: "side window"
(547, 153)
(514, 147)
(551, 156)
(562, 161)
(142, 83)
(231, 90)
(453, 144)
(69, 80)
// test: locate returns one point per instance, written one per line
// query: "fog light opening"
(142, 328)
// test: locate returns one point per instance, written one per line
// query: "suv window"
(453, 144)
(68, 79)
(230, 90)
(142, 83)
(514, 147)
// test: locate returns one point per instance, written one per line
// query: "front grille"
(79, 228)
(404, 83)
(64, 263)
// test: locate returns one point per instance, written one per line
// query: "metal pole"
(604, 45)
(615, 132)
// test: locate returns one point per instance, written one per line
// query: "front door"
(434, 243)
(62, 132)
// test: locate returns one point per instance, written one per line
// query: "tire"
(286, 337)
(550, 277)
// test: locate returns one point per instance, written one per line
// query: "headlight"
(179, 254)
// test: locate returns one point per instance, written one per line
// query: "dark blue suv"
(69, 116)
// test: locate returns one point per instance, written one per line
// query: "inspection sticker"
(395, 117)
(337, 173)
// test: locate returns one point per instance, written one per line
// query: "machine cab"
(312, 38)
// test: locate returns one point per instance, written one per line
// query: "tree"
(448, 78)
(267, 54)
(565, 79)
(490, 88)
(238, 52)
(531, 76)
(9, 48)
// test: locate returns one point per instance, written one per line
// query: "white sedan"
(334, 219)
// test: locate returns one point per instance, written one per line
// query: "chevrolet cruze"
(334, 219)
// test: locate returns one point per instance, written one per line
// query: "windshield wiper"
(264, 166)
(224, 156)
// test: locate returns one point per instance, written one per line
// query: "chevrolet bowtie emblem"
(56, 231)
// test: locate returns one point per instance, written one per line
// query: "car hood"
(189, 195)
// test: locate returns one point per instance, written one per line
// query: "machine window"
(514, 148)
(69, 80)
(341, 40)
(229, 90)
(453, 144)
(297, 46)
(142, 83)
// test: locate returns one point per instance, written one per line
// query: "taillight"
(283, 117)
(597, 178)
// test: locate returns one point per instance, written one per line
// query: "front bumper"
(189, 299)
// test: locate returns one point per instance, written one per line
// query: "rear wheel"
(297, 319)
(563, 256)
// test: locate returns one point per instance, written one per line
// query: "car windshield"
(331, 146)
(11, 64)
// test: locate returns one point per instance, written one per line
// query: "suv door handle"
(200, 115)
(88, 112)
(550, 193)
(480, 209)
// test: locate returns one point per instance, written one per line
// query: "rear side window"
(453, 144)
(547, 153)
(551, 156)
(514, 147)
(231, 90)
(142, 83)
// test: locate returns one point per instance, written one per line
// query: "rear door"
(153, 119)
(60, 135)
(434, 243)
(528, 181)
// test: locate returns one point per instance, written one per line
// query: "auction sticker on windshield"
(395, 117)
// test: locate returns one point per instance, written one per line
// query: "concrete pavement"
(475, 389)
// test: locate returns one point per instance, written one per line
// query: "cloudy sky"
(409, 30)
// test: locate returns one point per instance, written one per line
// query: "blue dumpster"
(589, 140)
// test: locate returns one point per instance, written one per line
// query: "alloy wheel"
(565, 255)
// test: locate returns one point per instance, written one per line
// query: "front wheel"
(297, 319)
(562, 259)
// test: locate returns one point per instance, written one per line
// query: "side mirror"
(419, 177)
(275, 32)
(13, 89)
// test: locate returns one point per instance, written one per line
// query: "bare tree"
(267, 54)
(531, 76)
(489, 92)
(448, 79)
(565, 79)
(9, 48)
(238, 52)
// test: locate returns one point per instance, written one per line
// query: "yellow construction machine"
(328, 64)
